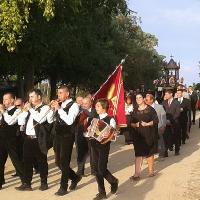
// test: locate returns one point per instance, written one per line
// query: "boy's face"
(99, 108)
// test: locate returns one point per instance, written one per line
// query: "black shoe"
(3, 182)
(61, 192)
(128, 142)
(171, 148)
(177, 153)
(165, 154)
(93, 173)
(80, 173)
(114, 187)
(24, 187)
(43, 187)
(74, 183)
(134, 178)
(0, 187)
(100, 196)
(15, 175)
(183, 142)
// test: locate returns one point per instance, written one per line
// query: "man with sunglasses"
(19, 105)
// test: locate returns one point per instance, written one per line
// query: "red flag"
(113, 90)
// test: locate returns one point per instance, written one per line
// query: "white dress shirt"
(170, 101)
(162, 120)
(128, 109)
(72, 114)
(39, 117)
(112, 121)
(180, 99)
(11, 119)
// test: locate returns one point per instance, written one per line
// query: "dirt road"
(178, 177)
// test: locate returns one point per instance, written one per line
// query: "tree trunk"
(53, 82)
(20, 85)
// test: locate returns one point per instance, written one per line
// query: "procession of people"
(28, 130)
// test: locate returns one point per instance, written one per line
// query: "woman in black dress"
(144, 123)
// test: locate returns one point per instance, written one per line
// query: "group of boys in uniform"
(59, 125)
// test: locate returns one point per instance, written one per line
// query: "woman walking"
(144, 123)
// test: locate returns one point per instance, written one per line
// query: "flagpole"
(122, 62)
(119, 86)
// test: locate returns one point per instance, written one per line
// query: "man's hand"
(2, 108)
(135, 125)
(55, 105)
(27, 106)
(144, 124)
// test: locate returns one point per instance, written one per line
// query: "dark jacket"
(193, 99)
(185, 109)
(172, 111)
(43, 132)
(7, 131)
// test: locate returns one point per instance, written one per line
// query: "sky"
(176, 24)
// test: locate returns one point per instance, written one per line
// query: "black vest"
(105, 119)
(6, 130)
(42, 132)
(60, 127)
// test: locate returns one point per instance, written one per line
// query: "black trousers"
(127, 135)
(32, 152)
(172, 137)
(82, 151)
(193, 115)
(20, 144)
(100, 154)
(127, 131)
(8, 146)
(183, 131)
(63, 149)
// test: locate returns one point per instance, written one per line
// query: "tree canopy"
(74, 41)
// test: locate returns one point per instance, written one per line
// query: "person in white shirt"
(127, 130)
(65, 112)
(34, 118)
(8, 139)
(150, 100)
(100, 153)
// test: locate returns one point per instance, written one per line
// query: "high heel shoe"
(134, 178)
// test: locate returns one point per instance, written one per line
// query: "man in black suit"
(83, 145)
(193, 99)
(172, 133)
(183, 119)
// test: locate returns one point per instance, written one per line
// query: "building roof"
(172, 65)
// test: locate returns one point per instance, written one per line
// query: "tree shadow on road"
(131, 190)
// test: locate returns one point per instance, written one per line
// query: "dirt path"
(178, 177)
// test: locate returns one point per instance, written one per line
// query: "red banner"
(113, 90)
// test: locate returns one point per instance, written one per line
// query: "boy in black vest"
(100, 154)
(34, 117)
(8, 139)
(65, 112)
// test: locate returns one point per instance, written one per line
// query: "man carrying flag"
(110, 109)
